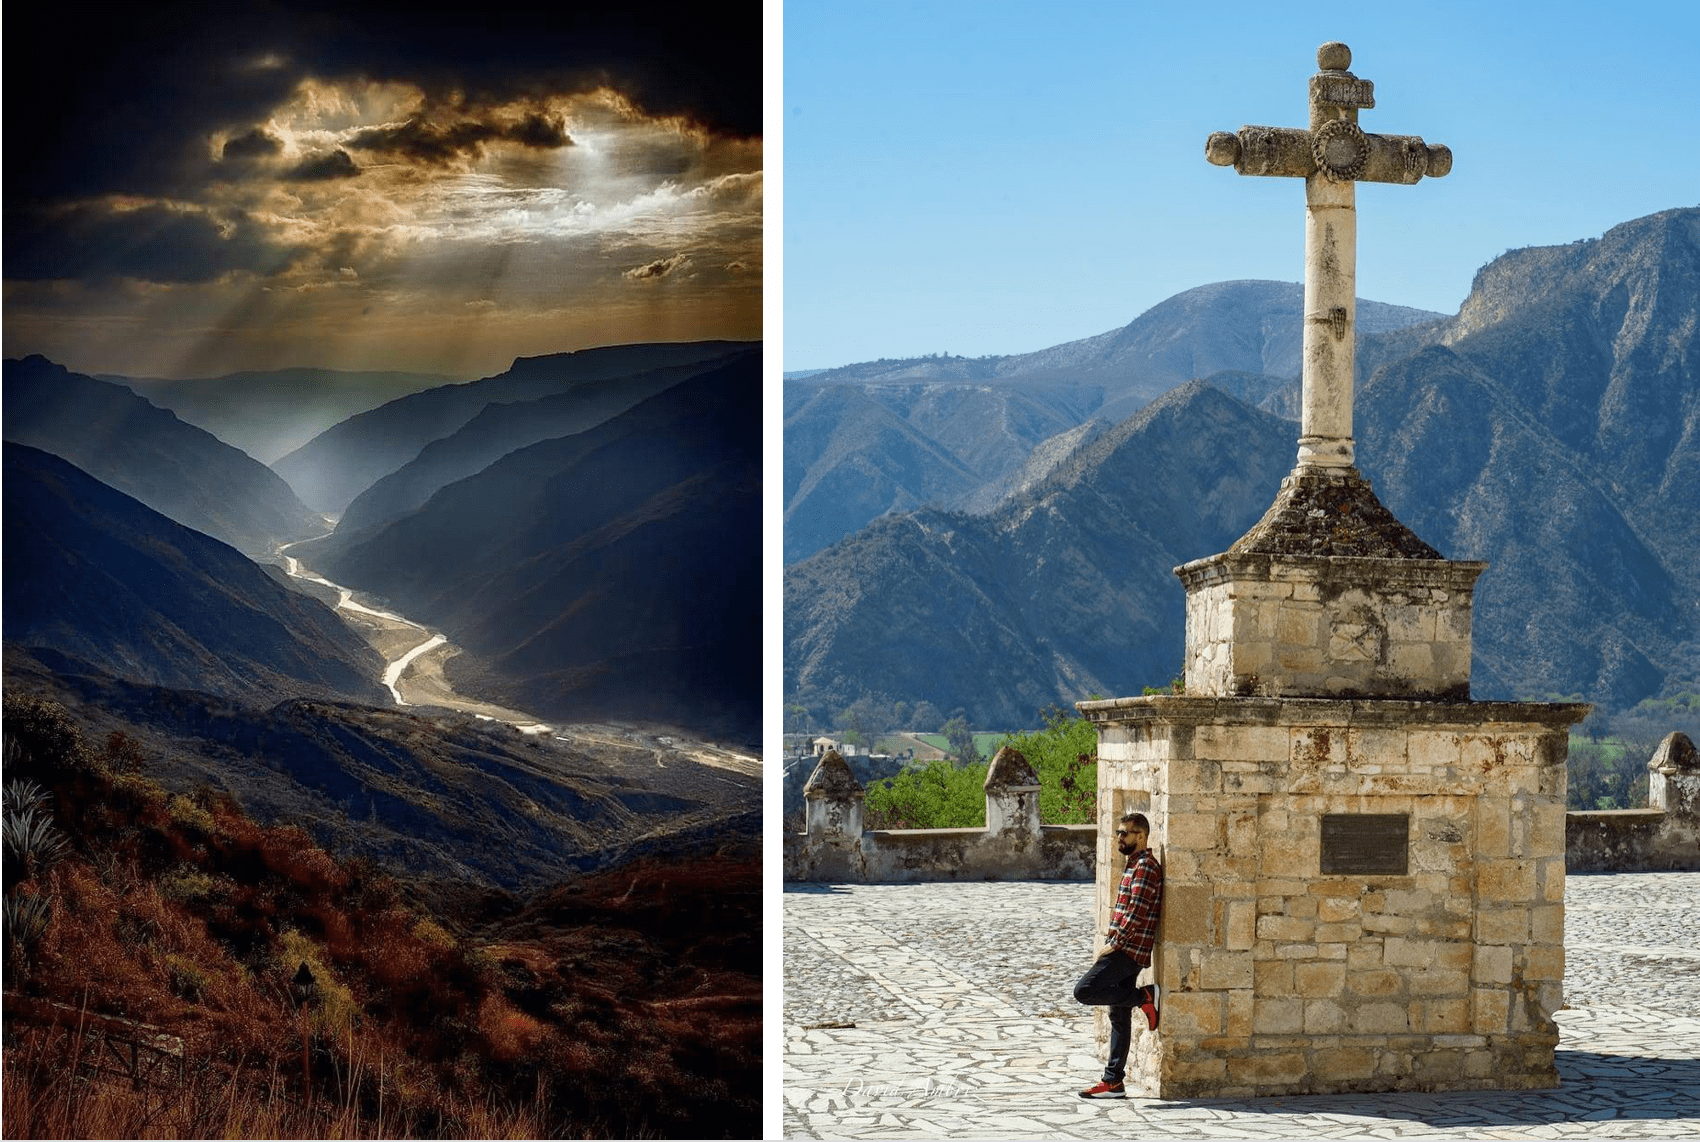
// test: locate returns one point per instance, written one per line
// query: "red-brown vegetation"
(625, 1003)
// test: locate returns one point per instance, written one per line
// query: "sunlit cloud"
(362, 218)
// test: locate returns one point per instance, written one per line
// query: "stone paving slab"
(945, 1010)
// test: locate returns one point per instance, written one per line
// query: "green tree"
(925, 717)
(938, 795)
(961, 738)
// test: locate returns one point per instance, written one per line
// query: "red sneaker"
(1150, 1007)
(1104, 1090)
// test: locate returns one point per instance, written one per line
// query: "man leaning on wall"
(1127, 951)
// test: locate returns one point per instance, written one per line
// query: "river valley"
(415, 657)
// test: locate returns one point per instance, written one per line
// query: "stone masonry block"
(1544, 963)
(1546, 924)
(1324, 1017)
(1274, 1016)
(1241, 743)
(1316, 980)
(1186, 914)
(1300, 624)
(1241, 925)
(1223, 970)
(1492, 965)
(1490, 1010)
(1403, 951)
(1493, 828)
(1377, 747)
(1290, 929)
(1505, 881)
(1409, 623)
(1380, 1019)
(1375, 982)
(1242, 1007)
(1332, 909)
(1194, 831)
(1274, 978)
(1502, 926)
(1192, 1014)
(1342, 1064)
(1267, 1069)
(1438, 982)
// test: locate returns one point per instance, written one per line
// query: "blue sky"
(983, 178)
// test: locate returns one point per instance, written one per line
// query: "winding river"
(398, 665)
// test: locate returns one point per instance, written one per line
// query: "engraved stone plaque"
(1366, 844)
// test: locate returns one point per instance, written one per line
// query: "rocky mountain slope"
(346, 459)
(1549, 428)
(94, 574)
(147, 452)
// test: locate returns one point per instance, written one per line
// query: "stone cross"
(1331, 157)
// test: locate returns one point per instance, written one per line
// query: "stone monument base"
(1360, 895)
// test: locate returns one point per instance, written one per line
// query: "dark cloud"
(420, 140)
(659, 268)
(131, 98)
(317, 168)
(539, 132)
(152, 243)
(254, 144)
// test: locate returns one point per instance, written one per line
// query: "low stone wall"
(1013, 846)
(1663, 837)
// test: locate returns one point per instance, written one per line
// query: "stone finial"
(1334, 56)
(832, 779)
(1009, 768)
(1673, 781)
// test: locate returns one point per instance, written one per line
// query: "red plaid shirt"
(1139, 902)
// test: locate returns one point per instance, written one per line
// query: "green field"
(985, 743)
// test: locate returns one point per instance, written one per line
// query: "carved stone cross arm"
(1339, 151)
(1331, 156)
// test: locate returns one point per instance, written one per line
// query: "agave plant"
(33, 845)
(27, 915)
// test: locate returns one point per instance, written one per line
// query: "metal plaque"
(1366, 844)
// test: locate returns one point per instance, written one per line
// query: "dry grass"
(627, 1003)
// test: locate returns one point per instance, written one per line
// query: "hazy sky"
(986, 177)
(191, 190)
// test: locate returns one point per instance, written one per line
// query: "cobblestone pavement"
(946, 1010)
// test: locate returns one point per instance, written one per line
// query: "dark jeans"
(1109, 983)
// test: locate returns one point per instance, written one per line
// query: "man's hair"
(1137, 820)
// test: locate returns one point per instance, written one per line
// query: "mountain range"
(270, 413)
(330, 470)
(1551, 427)
(883, 436)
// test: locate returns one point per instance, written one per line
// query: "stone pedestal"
(1281, 977)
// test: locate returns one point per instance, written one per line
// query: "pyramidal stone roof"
(1010, 768)
(832, 778)
(1331, 513)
